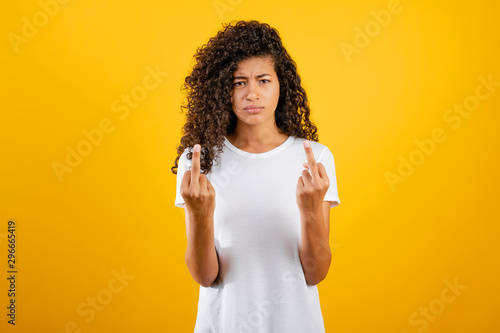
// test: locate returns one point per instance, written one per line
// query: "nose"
(252, 92)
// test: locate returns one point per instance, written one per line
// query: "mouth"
(253, 109)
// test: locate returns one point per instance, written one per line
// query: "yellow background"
(393, 247)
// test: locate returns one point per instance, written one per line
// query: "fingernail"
(307, 144)
(197, 148)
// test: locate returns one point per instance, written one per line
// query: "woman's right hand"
(196, 190)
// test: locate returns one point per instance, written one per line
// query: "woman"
(257, 221)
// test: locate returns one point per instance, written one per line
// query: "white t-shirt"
(257, 231)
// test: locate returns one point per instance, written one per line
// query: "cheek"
(277, 93)
(232, 99)
(235, 98)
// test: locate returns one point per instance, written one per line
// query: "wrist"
(200, 218)
(312, 214)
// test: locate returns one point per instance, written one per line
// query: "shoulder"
(185, 152)
(183, 160)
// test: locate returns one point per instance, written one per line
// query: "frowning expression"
(255, 91)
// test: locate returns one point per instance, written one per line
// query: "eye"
(265, 80)
(237, 83)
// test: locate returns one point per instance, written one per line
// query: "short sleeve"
(326, 158)
(183, 165)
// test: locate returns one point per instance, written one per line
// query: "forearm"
(315, 252)
(201, 257)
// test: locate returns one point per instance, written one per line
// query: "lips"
(253, 108)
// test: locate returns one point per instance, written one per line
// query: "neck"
(256, 139)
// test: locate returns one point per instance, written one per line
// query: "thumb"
(300, 183)
(210, 187)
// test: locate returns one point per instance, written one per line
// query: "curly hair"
(209, 87)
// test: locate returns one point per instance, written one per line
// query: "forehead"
(255, 64)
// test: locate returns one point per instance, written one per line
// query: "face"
(255, 92)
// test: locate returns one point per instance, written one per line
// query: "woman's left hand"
(311, 187)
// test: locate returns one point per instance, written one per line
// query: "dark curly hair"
(209, 110)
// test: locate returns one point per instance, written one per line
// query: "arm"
(201, 256)
(199, 196)
(312, 185)
(315, 252)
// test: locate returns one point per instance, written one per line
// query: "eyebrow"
(244, 77)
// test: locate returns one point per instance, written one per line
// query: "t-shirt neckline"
(268, 153)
